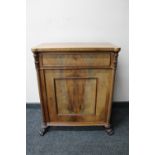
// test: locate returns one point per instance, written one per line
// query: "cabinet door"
(78, 95)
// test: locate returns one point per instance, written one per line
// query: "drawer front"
(80, 59)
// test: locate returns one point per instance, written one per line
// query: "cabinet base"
(108, 129)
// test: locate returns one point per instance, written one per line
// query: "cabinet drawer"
(76, 59)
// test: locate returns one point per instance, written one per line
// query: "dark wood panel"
(73, 95)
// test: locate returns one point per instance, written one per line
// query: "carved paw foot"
(109, 130)
(42, 131)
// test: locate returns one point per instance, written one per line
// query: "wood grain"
(68, 95)
(74, 47)
(103, 59)
(76, 82)
(75, 98)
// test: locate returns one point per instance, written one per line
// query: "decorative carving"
(36, 60)
(43, 130)
(109, 130)
(115, 60)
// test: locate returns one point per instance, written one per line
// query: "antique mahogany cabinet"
(76, 83)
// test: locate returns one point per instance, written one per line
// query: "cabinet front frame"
(43, 91)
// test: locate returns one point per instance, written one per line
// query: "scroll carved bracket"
(115, 60)
(36, 60)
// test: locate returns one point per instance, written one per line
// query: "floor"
(78, 140)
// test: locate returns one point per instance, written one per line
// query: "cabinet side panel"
(44, 95)
(41, 88)
(114, 57)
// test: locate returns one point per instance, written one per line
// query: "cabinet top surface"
(70, 47)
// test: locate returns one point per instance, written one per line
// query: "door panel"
(78, 95)
(73, 95)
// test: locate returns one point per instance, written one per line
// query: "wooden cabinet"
(76, 83)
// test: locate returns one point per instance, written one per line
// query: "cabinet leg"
(109, 130)
(43, 130)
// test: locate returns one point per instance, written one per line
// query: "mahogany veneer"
(76, 83)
